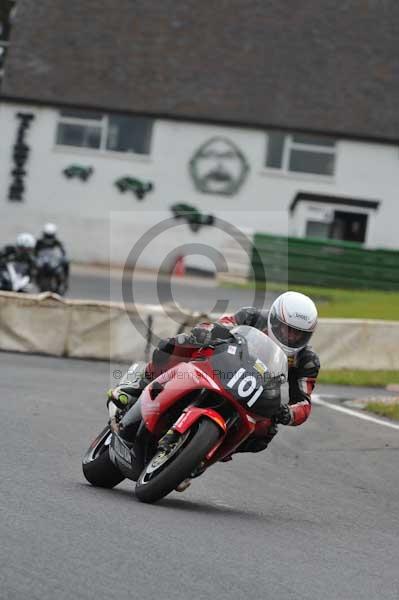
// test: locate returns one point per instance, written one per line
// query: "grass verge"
(336, 303)
(390, 411)
(361, 378)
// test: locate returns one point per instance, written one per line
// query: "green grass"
(349, 304)
(364, 378)
(391, 411)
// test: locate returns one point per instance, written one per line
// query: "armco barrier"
(50, 325)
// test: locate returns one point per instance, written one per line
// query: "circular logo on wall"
(218, 167)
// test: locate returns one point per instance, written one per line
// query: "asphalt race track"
(315, 516)
(196, 293)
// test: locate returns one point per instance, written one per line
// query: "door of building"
(348, 226)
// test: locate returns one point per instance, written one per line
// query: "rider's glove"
(206, 336)
(283, 415)
(200, 335)
(183, 339)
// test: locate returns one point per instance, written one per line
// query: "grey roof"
(313, 65)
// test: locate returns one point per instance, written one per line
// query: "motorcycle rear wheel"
(98, 468)
(156, 482)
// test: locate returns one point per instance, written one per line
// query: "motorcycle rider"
(22, 254)
(50, 241)
(290, 323)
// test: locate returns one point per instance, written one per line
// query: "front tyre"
(97, 466)
(44, 284)
(61, 286)
(165, 471)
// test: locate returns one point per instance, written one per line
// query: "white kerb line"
(353, 413)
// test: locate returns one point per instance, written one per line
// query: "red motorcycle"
(192, 416)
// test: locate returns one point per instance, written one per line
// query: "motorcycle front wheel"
(62, 287)
(44, 283)
(98, 468)
(167, 469)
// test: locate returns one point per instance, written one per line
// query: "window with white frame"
(98, 131)
(300, 153)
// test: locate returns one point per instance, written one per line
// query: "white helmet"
(50, 229)
(291, 321)
(26, 240)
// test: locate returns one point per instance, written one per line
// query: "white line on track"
(353, 413)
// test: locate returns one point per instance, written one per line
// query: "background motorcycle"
(191, 416)
(50, 271)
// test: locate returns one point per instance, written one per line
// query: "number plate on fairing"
(247, 379)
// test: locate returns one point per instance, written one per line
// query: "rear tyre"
(162, 475)
(98, 468)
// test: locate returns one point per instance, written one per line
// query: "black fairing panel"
(226, 363)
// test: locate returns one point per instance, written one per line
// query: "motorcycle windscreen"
(252, 368)
(264, 349)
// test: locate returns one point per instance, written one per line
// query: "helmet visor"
(288, 336)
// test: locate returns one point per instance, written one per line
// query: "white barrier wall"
(357, 344)
(99, 330)
(31, 325)
(47, 324)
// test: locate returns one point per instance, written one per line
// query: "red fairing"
(188, 377)
(300, 412)
(180, 354)
(176, 383)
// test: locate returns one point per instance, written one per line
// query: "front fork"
(192, 414)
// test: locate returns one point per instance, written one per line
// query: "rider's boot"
(118, 400)
(128, 391)
(123, 397)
